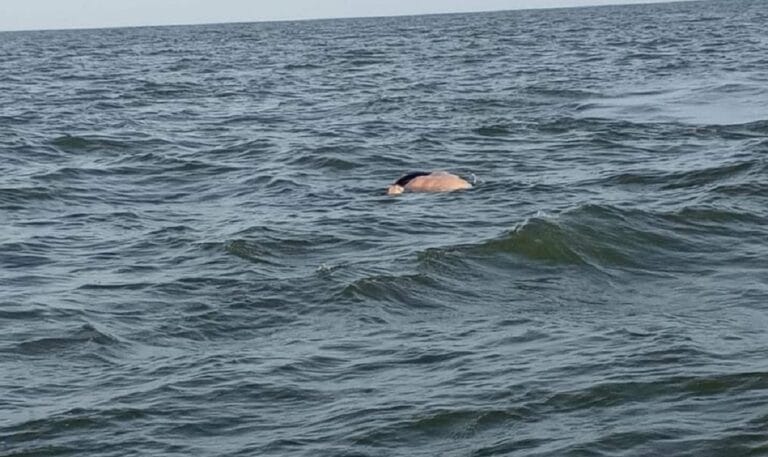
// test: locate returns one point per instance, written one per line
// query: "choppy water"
(197, 257)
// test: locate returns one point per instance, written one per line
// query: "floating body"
(436, 181)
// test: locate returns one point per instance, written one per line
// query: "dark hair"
(410, 177)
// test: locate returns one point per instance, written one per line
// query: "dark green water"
(197, 256)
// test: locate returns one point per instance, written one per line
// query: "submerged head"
(395, 189)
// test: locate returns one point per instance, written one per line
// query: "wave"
(280, 255)
(755, 129)
(497, 129)
(21, 197)
(714, 215)
(147, 167)
(413, 290)
(72, 339)
(599, 242)
(605, 237)
(326, 158)
(744, 189)
(74, 143)
(625, 129)
(168, 90)
(516, 409)
(683, 179)
(557, 92)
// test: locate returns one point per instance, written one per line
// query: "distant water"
(197, 256)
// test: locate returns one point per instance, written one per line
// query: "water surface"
(197, 256)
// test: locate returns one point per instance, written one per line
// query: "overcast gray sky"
(55, 14)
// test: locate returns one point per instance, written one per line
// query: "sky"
(61, 14)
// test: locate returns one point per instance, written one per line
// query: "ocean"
(198, 257)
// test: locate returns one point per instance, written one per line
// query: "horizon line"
(330, 18)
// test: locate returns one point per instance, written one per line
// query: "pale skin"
(438, 181)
